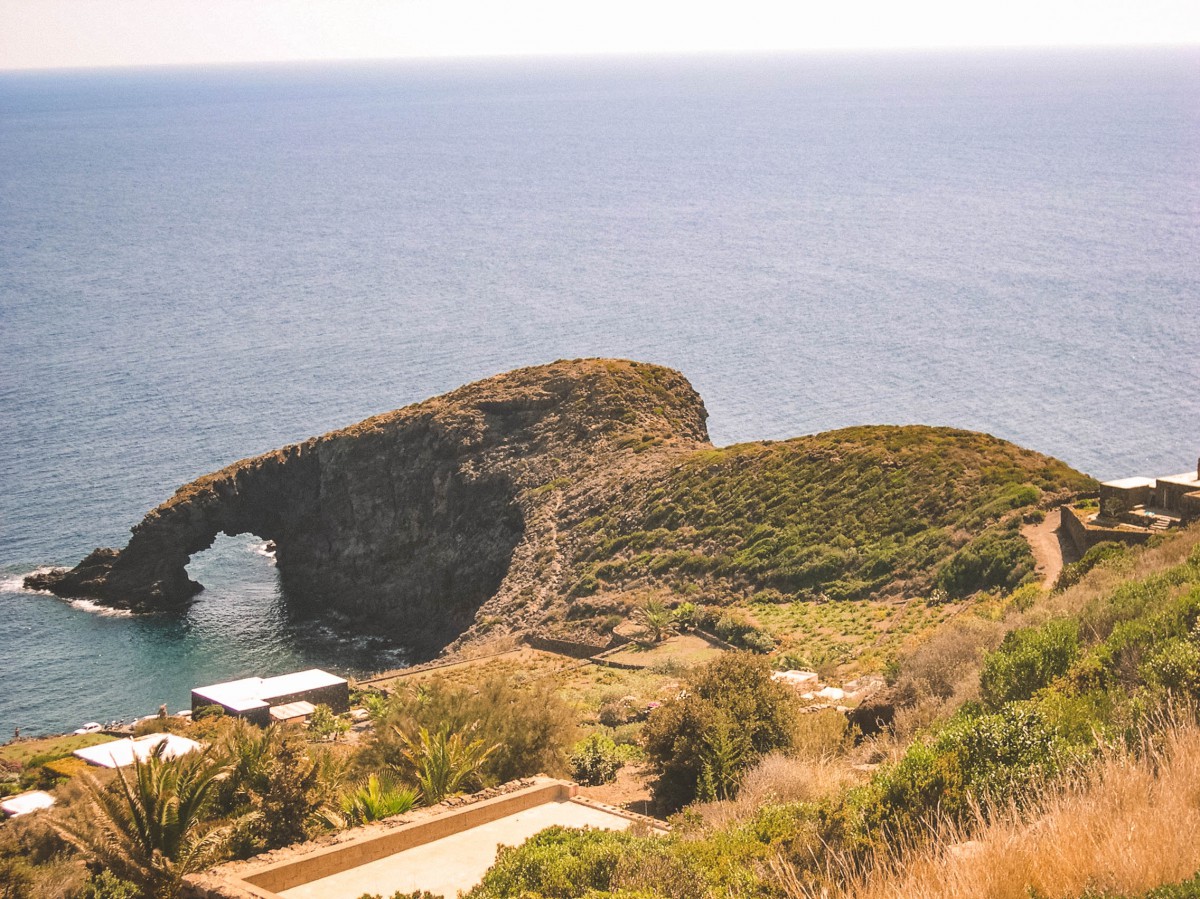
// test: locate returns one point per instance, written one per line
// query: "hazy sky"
(52, 33)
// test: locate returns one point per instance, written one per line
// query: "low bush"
(975, 760)
(596, 760)
(731, 714)
(734, 628)
(107, 885)
(531, 726)
(943, 665)
(1000, 558)
(690, 863)
(1074, 571)
(207, 711)
(1028, 660)
(377, 798)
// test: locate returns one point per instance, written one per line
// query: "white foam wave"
(94, 608)
(263, 549)
(15, 583)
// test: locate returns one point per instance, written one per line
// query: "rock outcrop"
(554, 500)
(410, 521)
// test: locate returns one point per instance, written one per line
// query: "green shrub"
(1027, 660)
(207, 711)
(1176, 666)
(377, 798)
(731, 714)
(107, 885)
(734, 628)
(16, 879)
(701, 864)
(596, 760)
(531, 725)
(1071, 574)
(975, 758)
(556, 864)
(323, 723)
(998, 558)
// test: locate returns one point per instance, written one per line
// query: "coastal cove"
(890, 251)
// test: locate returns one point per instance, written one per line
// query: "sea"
(198, 265)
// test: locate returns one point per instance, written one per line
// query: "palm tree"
(443, 763)
(150, 827)
(657, 619)
(377, 798)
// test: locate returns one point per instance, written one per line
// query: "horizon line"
(604, 54)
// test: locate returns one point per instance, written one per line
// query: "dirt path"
(1048, 547)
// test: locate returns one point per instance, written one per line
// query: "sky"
(85, 33)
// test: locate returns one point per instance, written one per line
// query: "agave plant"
(150, 826)
(443, 763)
(377, 798)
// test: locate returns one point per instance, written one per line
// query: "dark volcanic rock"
(410, 521)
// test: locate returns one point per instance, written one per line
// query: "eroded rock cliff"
(411, 520)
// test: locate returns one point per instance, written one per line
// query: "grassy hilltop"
(849, 514)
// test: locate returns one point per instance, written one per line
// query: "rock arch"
(408, 522)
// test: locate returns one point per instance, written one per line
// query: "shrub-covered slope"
(1068, 772)
(846, 514)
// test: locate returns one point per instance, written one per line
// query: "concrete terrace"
(444, 849)
(458, 861)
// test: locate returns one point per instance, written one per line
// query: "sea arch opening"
(242, 563)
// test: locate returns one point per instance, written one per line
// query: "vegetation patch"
(845, 515)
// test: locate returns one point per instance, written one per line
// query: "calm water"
(196, 266)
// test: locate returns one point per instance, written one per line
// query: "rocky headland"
(553, 498)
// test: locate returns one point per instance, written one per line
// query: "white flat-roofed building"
(122, 753)
(1138, 501)
(24, 803)
(254, 697)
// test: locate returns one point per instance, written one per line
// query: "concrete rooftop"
(456, 862)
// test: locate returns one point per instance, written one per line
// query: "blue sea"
(198, 265)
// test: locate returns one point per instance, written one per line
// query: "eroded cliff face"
(411, 521)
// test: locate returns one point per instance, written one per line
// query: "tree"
(290, 796)
(657, 619)
(730, 716)
(150, 826)
(444, 763)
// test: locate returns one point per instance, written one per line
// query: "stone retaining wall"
(1085, 536)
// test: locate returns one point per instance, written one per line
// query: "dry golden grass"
(1132, 825)
(780, 778)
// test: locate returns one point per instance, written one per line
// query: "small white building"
(254, 698)
(797, 679)
(122, 753)
(24, 803)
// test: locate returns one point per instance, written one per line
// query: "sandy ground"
(631, 790)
